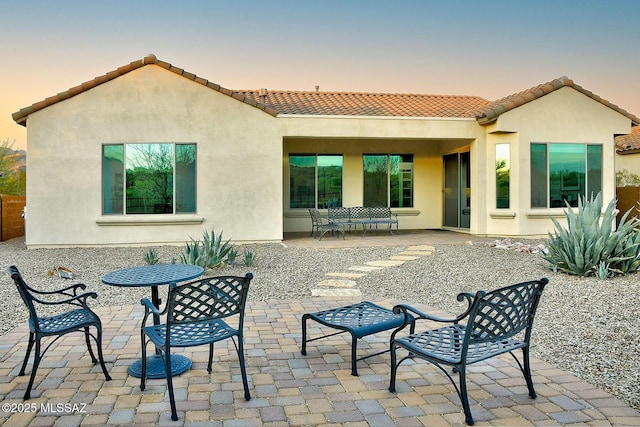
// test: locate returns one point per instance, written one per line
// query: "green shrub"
(208, 253)
(231, 256)
(591, 246)
(151, 257)
(249, 258)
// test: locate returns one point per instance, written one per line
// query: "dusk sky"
(488, 49)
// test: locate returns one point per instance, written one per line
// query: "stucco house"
(152, 154)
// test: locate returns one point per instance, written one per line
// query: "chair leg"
(34, 369)
(143, 373)
(172, 398)
(527, 372)
(100, 355)
(394, 368)
(243, 368)
(464, 398)
(86, 338)
(210, 358)
(26, 356)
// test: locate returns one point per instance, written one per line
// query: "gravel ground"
(585, 326)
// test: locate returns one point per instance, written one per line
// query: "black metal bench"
(365, 216)
(361, 319)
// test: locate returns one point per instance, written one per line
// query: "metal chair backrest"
(504, 312)
(316, 219)
(25, 292)
(207, 299)
(338, 214)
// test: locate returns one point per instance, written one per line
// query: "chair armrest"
(148, 306)
(79, 300)
(64, 291)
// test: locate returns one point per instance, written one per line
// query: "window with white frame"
(562, 172)
(150, 178)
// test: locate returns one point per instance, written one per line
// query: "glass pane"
(566, 174)
(451, 190)
(185, 178)
(149, 178)
(401, 180)
(302, 183)
(329, 181)
(375, 180)
(112, 179)
(465, 190)
(503, 171)
(538, 175)
(594, 170)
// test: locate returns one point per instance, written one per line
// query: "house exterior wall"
(243, 160)
(239, 157)
(630, 162)
(563, 116)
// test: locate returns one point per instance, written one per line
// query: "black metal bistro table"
(154, 276)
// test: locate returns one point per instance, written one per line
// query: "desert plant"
(208, 253)
(249, 258)
(151, 257)
(231, 256)
(587, 242)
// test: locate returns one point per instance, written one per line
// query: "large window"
(562, 172)
(148, 178)
(315, 181)
(388, 180)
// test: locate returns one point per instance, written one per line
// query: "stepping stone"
(333, 283)
(389, 263)
(365, 268)
(335, 293)
(427, 248)
(415, 253)
(404, 258)
(347, 275)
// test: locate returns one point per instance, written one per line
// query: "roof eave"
(20, 117)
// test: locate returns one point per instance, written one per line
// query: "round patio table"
(154, 276)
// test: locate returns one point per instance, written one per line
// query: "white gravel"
(586, 326)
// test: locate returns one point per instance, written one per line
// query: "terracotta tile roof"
(367, 104)
(629, 144)
(342, 103)
(489, 113)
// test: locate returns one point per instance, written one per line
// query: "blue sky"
(489, 49)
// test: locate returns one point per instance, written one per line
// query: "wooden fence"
(11, 220)
(628, 197)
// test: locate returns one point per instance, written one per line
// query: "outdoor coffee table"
(154, 276)
(361, 319)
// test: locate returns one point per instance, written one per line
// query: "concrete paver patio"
(287, 388)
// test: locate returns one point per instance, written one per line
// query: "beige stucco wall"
(630, 162)
(564, 116)
(239, 162)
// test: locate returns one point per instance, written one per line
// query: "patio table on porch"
(154, 276)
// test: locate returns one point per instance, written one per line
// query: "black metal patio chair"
(319, 226)
(196, 314)
(496, 322)
(79, 319)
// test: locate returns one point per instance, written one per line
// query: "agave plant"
(588, 241)
(151, 257)
(208, 253)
